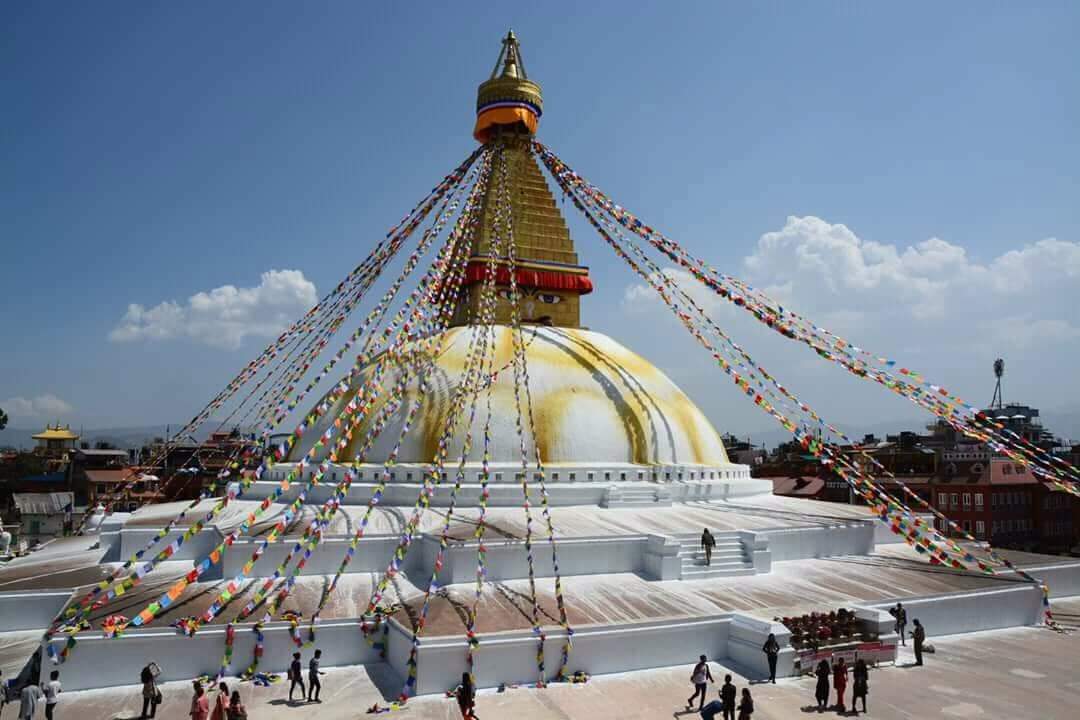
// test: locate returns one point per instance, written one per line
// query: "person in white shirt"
(52, 689)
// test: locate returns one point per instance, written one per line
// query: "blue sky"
(152, 151)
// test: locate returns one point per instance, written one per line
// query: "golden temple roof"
(55, 432)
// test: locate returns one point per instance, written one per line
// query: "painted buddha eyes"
(545, 298)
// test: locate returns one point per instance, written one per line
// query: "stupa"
(352, 540)
(606, 419)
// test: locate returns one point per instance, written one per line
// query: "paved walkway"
(1023, 673)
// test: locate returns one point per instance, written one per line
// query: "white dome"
(594, 403)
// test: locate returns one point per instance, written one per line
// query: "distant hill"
(124, 437)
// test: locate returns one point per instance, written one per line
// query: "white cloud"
(641, 295)
(821, 266)
(46, 406)
(931, 304)
(224, 316)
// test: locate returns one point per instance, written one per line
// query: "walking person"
(236, 710)
(918, 636)
(314, 686)
(221, 703)
(52, 689)
(771, 648)
(29, 700)
(151, 697)
(466, 697)
(699, 677)
(295, 677)
(708, 542)
(200, 704)
(821, 692)
(900, 614)
(839, 678)
(727, 698)
(861, 687)
(746, 707)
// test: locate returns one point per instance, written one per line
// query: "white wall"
(134, 539)
(512, 657)
(102, 662)
(965, 612)
(1062, 580)
(817, 541)
(30, 609)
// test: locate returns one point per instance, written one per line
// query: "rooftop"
(43, 503)
(55, 432)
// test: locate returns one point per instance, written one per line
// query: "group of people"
(296, 677)
(860, 675)
(725, 706)
(918, 635)
(33, 696)
(230, 709)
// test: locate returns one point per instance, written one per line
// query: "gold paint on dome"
(594, 402)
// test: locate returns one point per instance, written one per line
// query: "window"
(967, 526)
(1006, 470)
(408, 477)
(555, 477)
(622, 476)
(955, 500)
(590, 475)
(640, 474)
(943, 500)
(967, 500)
(573, 476)
(979, 500)
(980, 528)
(498, 477)
(607, 475)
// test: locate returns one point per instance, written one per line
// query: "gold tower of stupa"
(549, 278)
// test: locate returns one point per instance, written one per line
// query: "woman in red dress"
(840, 682)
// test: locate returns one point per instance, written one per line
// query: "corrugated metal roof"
(42, 503)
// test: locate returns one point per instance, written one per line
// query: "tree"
(3, 419)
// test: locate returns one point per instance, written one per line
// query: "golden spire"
(508, 98)
(549, 278)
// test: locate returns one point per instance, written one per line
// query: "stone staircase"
(729, 558)
(623, 496)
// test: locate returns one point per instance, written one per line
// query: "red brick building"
(998, 500)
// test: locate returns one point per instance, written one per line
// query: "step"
(714, 572)
(700, 561)
(719, 547)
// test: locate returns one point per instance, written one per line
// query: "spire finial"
(509, 59)
(508, 93)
